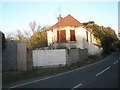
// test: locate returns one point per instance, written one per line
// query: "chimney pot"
(59, 18)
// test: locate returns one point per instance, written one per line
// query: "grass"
(14, 76)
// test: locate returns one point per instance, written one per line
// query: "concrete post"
(21, 57)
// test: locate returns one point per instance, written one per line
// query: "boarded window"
(72, 35)
(61, 36)
(87, 36)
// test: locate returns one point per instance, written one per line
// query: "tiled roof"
(66, 21)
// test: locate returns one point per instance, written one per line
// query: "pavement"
(102, 74)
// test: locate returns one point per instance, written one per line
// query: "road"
(102, 74)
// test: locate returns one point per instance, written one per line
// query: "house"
(69, 31)
(66, 33)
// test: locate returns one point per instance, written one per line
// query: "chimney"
(59, 18)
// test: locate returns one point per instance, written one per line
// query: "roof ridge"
(67, 21)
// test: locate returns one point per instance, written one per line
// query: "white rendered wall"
(50, 37)
(67, 34)
(49, 57)
(54, 35)
(82, 43)
(89, 37)
(94, 40)
(92, 49)
(80, 35)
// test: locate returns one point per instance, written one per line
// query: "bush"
(38, 40)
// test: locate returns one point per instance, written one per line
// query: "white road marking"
(29, 82)
(77, 86)
(103, 71)
(115, 62)
(57, 74)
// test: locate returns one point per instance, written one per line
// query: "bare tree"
(39, 28)
(20, 36)
(32, 25)
(23, 35)
(44, 27)
(10, 36)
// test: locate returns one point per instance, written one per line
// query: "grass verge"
(14, 76)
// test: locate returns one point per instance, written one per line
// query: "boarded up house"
(70, 33)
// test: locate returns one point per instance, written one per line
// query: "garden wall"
(14, 56)
(58, 57)
(49, 57)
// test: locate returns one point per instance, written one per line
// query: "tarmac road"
(102, 74)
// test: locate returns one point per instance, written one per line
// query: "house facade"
(70, 33)
(66, 34)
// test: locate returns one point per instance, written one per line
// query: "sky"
(17, 15)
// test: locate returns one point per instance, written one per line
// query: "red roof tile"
(66, 21)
